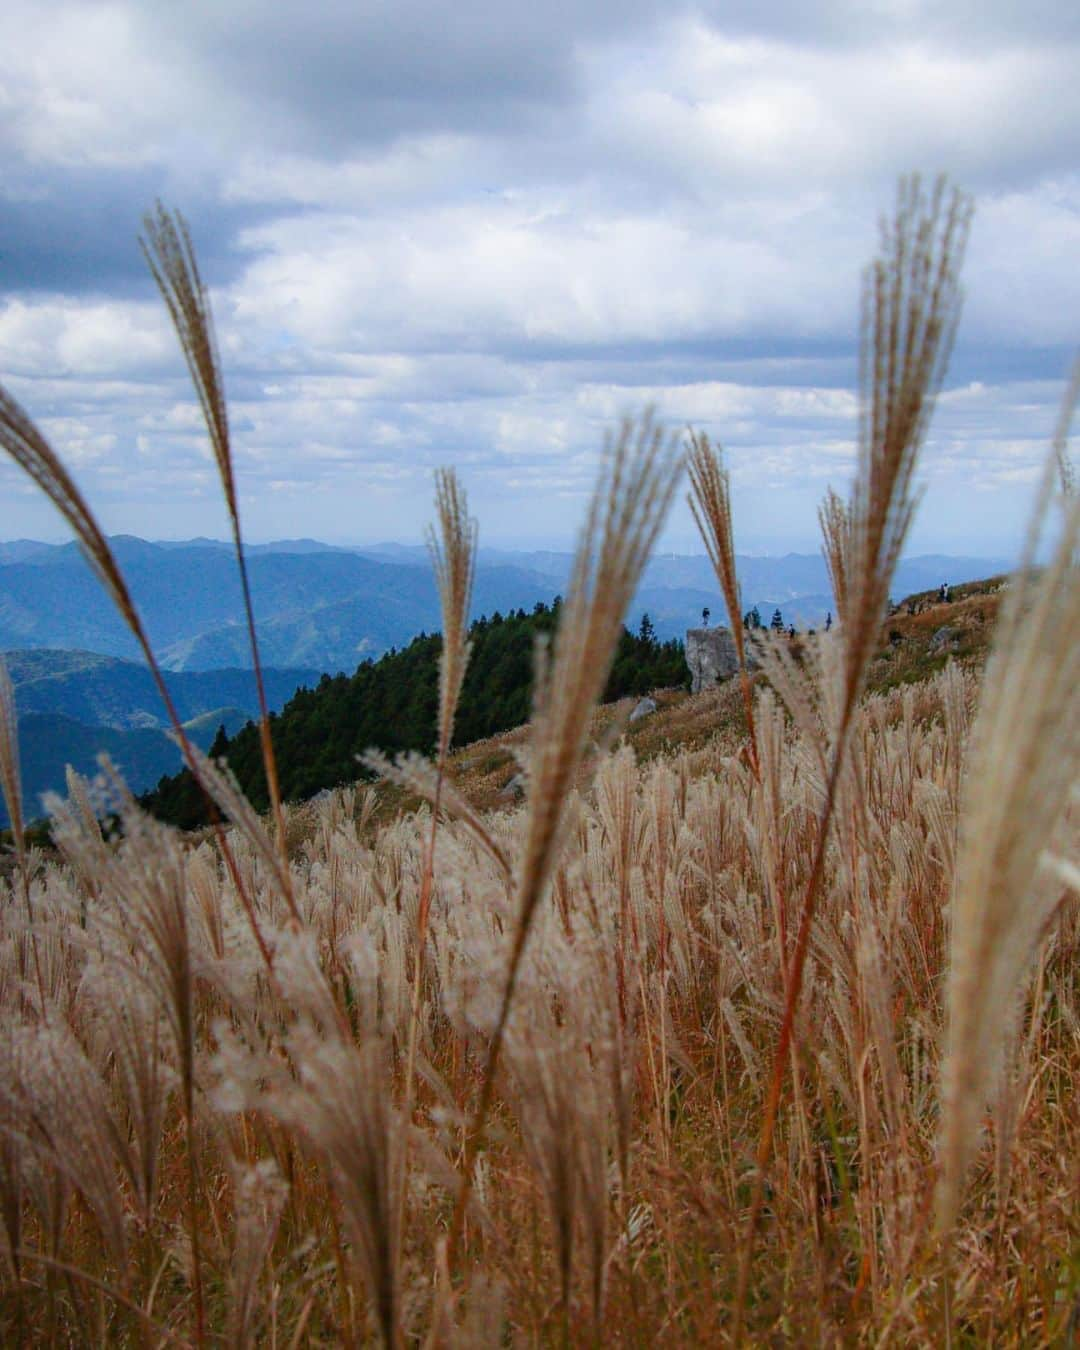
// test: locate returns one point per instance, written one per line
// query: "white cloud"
(483, 238)
(57, 336)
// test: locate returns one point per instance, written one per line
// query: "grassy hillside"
(714, 722)
(390, 704)
(759, 1028)
(637, 1055)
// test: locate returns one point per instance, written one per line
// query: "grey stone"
(944, 637)
(643, 709)
(515, 787)
(711, 656)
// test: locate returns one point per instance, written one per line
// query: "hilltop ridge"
(391, 704)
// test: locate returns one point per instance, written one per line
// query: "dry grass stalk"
(223, 790)
(169, 254)
(10, 780)
(835, 521)
(11, 787)
(417, 774)
(147, 877)
(911, 306)
(14, 1165)
(171, 259)
(564, 1057)
(338, 1099)
(637, 484)
(129, 1034)
(62, 1106)
(1024, 766)
(710, 501)
(21, 439)
(633, 1117)
(260, 1196)
(453, 557)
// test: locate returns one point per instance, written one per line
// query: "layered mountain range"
(73, 706)
(81, 688)
(326, 608)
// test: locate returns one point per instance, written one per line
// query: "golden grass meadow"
(769, 1037)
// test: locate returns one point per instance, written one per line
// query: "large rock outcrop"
(711, 656)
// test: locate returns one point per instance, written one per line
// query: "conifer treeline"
(391, 704)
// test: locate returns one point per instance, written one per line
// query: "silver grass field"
(775, 1041)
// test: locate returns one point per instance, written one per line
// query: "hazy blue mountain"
(277, 546)
(417, 555)
(330, 637)
(55, 601)
(104, 690)
(21, 550)
(49, 742)
(338, 636)
(327, 608)
(676, 589)
(186, 593)
(786, 576)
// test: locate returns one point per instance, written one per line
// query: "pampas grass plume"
(1023, 766)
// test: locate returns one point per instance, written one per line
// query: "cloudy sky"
(478, 234)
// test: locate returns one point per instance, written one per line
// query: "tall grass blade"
(1024, 764)
(171, 258)
(911, 307)
(638, 481)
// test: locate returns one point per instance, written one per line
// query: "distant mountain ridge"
(49, 742)
(328, 607)
(74, 705)
(106, 691)
(190, 600)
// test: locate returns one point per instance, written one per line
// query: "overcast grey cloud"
(479, 234)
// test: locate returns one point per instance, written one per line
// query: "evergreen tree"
(777, 621)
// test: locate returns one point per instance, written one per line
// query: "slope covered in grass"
(390, 705)
(635, 1060)
(758, 1029)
